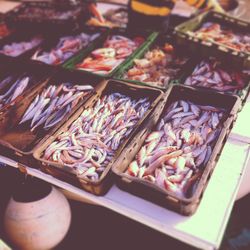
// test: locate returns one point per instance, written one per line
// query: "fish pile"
(53, 104)
(118, 17)
(111, 18)
(173, 155)
(158, 67)
(65, 48)
(11, 90)
(17, 48)
(4, 31)
(212, 74)
(214, 32)
(91, 141)
(45, 13)
(116, 49)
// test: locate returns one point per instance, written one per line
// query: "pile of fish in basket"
(97, 107)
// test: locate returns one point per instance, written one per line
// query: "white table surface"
(241, 130)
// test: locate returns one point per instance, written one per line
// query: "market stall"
(136, 122)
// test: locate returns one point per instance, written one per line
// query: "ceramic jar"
(39, 221)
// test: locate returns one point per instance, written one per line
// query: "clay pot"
(37, 220)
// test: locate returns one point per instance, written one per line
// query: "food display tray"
(14, 18)
(155, 40)
(208, 48)
(241, 93)
(149, 191)
(20, 36)
(19, 140)
(101, 186)
(79, 58)
(52, 40)
(36, 72)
